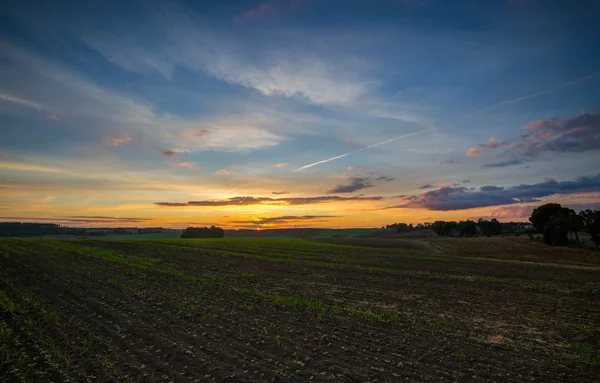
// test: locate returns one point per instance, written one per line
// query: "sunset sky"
(325, 113)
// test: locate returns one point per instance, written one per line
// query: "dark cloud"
(279, 192)
(561, 135)
(457, 198)
(465, 181)
(503, 164)
(490, 188)
(244, 201)
(427, 186)
(284, 219)
(168, 153)
(356, 183)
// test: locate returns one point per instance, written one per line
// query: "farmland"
(291, 310)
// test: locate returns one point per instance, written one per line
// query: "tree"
(203, 232)
(555, 222)
(590, 220)
(444, 228)
(489, 227)
(541, 215)
(467, 228)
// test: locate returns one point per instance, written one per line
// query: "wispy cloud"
(360, 150)
(223, 172)
(52, 117)
(503, 164)
(279, 192)
(27, 167)
(186, 164)
(270, 9)
(284, 219)
(247, 201)
(282, 165)
(118, 139)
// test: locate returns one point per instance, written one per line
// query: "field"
(290, 310)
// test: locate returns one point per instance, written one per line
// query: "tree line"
(558, 225)
(203, 232)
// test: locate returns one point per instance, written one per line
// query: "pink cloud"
(223, 172)
(282, 165)
(118, 139)
(51, 116)
(185, 164)
(473, 152)
(536, 124)
(516, 212)
(492, 140)
(270, 9)
(351, 168)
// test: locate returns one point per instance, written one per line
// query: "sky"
(296, 113)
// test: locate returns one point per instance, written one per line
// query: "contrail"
(322, 162)
(393, 139)
(360, 150)
(21, 101)
(532, 95)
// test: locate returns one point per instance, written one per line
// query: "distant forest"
(27, 229)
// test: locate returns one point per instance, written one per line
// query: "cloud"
(270, 9)
(21, 101)
(284, 219)
(473, 152)
(279, 192)
(223, 172)
(246, 201)
(27, 167)
(170, 153)
(465, 181)
(51, 116)
(561, 135)
(185, 164)
(457, 198)
(503, 164)
(356, 183)
(118, 139)
(282, 165)
(427, 186)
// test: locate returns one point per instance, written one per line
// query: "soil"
(289, 311)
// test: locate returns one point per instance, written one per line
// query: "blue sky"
(107, 108)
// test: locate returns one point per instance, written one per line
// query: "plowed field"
(288, 311)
